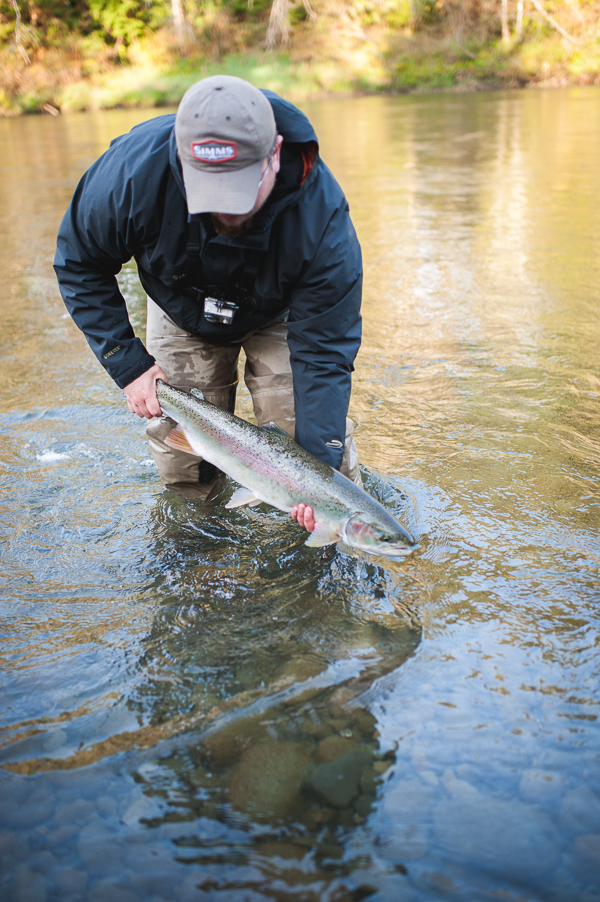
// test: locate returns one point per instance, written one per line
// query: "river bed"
(198, 707)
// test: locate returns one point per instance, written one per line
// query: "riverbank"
(329, 55)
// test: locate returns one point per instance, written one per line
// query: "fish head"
(377, 534)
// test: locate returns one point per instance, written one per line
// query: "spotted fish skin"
(272, 468)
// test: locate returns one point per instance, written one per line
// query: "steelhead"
(271, 467)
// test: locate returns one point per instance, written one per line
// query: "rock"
(510, 837)
(98, 849)
(71, 880)
(77, 812)
(266, 781)
(580, 811)
(340, 699)
(586, 858)
(29, 810)
(29, 886)
(302, 668)
(143, 808)
(334, 747)
(225, 746)
(337, 783)
(109, 892)
(363, 803)
(541, 785)
(365, 721)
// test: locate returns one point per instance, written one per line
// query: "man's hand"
(304, 515)
(141, 393)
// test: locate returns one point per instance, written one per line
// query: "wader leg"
(188, 362)
(268, 375)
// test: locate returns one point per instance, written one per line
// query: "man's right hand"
(141, 393)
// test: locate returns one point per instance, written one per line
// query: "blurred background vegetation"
(59, 55)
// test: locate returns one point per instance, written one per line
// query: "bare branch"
(20, 47)
(553, 22)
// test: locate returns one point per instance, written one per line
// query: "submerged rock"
(266, 781)
(337, 782)
(225, 746)
(334, 747)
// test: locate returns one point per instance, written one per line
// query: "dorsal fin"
(197, 394)
(177, 439)
(277, 430)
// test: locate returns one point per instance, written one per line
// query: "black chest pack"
(221, 303)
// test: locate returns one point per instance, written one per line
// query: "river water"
(197, 707)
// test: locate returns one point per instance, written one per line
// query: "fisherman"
(243, 240)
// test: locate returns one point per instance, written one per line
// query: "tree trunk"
(519, 25)
(178, 21)
(504, 17)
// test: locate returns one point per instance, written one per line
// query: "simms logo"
(214, 151)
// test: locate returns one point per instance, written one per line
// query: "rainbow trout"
(272, 468)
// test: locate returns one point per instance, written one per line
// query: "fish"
(271, 468)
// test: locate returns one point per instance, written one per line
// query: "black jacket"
(301, 257)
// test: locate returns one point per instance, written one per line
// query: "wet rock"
(143, 808)
(586, 858)
(77, 812)
(337, 783)
(21, 811)
(61, 836)
(108, 892)
(541, 785)
(225, 746)
(98, 849)
(363, 803)
(302, 668)
(339, 701)
(71, 880)
(507, 836)
(29, 886)
(334, 747)
(580, 811)
(365, 721)
(266, 781)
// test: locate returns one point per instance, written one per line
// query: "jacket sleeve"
(324, 337)
(96, 237)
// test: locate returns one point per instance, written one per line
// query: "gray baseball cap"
(224, 129)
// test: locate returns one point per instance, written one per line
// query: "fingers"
(305, 516)
(141, 393)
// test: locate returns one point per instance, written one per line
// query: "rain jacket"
(301, 261)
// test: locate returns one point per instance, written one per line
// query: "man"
(242, 239)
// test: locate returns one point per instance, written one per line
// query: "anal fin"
(241, 497)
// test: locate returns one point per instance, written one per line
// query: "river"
(198, 707)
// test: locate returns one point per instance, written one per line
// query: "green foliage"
(127, 19)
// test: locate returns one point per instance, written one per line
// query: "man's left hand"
(305, 516)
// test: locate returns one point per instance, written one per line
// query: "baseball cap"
(224, 129)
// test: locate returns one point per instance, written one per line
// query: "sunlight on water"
(195, 705)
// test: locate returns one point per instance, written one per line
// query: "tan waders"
(190, 362)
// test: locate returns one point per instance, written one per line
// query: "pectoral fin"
(242, 496)
(177, 439)
(321, 535)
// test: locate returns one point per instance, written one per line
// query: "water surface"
(195, 705)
